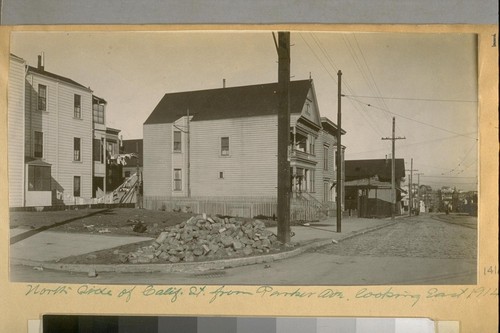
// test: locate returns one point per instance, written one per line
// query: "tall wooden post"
(393, 166)
(393, 169)
(188, 154)
(283, 137)
(339, 153)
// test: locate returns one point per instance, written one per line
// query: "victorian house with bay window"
(222, 143)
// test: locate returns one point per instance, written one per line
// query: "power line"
(377, 90)
(411, 144)
(417, 121)
(416, 99)
(463, 160)
(346, 84)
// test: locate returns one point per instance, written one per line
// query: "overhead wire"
(416, 99)
(345, 81)
(417, 121)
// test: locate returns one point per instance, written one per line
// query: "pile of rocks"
(202, 238)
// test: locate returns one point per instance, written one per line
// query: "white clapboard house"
(220, 145)
(51, 131)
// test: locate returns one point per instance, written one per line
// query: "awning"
(36, 161)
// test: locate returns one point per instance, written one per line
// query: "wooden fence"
(300, 210)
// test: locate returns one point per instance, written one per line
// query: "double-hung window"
(42, 97)
(76, 149)
(325, 157)
(224, 146)
(77, 102)
(76, 186)
(177, 179)
(38, 145)
(177, 141)
(98, 113)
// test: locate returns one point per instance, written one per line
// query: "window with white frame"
(311, 180)
(325, 157)
(77, 101)
(177, 179)
(42, 97)
(98, 113)
(38, 145)
(326, 191)
(98, 150)
(177, 141)
(76, 186)
(76, 149)
(224, 146)
(312, 144)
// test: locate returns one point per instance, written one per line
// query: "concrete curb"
(194, 267)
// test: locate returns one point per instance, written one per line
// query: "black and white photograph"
(243, 157)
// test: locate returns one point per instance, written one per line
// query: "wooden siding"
(250, 169)
(59, 128)
(15, 102)
(311, 113)
(323, 175)
(157, 169)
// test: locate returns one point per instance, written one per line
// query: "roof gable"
(359, 169)
(224, 103)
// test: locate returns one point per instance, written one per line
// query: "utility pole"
(339, 153)
(418, 189)
(410, 188)
(393, 166)
(284, 186)
(188, 155)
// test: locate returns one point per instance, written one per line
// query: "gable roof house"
(368, 186)
(50, 138)
(222, 143)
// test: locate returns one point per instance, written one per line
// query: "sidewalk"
(48, 247)
(327, 229)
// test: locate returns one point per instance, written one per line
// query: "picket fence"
(300, 209)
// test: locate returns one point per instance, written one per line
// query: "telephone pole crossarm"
(393, 165)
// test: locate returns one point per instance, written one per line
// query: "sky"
(427, 81)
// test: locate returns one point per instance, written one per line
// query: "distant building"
(132, 147)
(51, 133)
(232, 150)
(368, 186)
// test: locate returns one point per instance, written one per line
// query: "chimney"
(223, 83)
(41, 62)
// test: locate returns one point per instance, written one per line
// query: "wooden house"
(52, 130)
(16, 127)
(368, 186)
(222, 143)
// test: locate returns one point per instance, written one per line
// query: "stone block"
(237, 245)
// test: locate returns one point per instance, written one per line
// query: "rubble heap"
(202, 238)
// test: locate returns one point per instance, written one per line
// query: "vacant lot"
(112, 221)
(120, 221)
